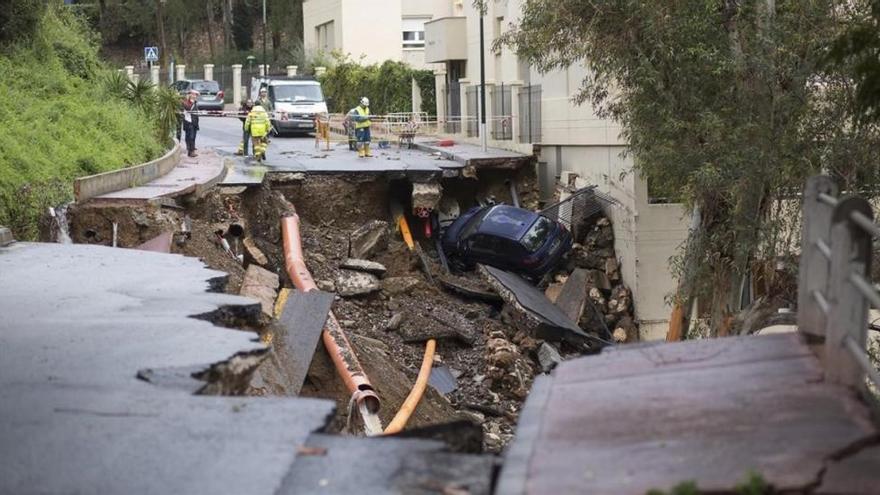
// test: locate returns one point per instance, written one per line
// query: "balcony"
(445, 39)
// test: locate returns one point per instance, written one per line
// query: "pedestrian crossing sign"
(151, 53)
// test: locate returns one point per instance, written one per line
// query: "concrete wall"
(317, 12)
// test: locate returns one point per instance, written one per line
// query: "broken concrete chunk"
(368, 239)
(350, 283)
(548, 357)
(326, 285)
(620, 301)
(599, 280)
(612, 269)
(573, 295)
(394, 322)
(553, 290)
(261, 285)
(367, 266)
(426, 196)
(255, 254)
(619, 335)
(399, 285)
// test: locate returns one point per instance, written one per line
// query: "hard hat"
(365, 101)
(258, 108)
(263, 90)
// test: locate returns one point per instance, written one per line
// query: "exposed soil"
(493, 363)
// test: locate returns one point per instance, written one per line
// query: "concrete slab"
(468, 154)
(99, 355)
(385, 466)
(191, 176)
(712, 411)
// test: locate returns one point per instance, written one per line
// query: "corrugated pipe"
(338, 346)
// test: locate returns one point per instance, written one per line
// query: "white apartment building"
(528, 111)
(372, 31)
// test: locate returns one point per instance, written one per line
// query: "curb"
(6, 237)
(88, 187)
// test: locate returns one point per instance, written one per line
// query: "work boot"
(367, 150)
(192, 154)
(361, 152)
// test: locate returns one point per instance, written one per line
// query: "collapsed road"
(389, 303)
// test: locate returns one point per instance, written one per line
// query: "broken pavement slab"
(710, 411)
(6, 237)
(533, 312)
(366, 266)
(80, 323)
(351, 283)
(368, 239)
(573, 295)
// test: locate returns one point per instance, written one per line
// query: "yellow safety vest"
(363, 112)
(257, 123)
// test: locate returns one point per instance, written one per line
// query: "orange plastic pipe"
(338, 346)
(415, 395)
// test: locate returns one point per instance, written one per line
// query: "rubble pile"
(610, 303)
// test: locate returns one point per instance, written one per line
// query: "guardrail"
(834, 286)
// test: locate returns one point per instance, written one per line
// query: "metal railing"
(834, 287)
(574, 210)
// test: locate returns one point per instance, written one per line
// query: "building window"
(325, 36)
(414, 32)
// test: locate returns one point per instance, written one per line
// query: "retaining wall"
(85, 188)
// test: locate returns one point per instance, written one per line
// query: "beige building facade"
(532, 112)
(371, 31)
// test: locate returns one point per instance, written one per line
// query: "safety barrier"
(834, 286)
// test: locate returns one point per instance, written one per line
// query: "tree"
(718, 100)
(243, 27)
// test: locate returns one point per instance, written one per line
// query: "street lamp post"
(482, 83)
(265, 66)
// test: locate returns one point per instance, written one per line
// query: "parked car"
(507, 237)
(297, 101)
(210, 94)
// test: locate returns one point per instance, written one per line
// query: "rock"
(629, 326)
(261, 285)
(317, 258)
(620, 301)
(548, 357)
(599, 280)
(399, 285)
(612, 269)
(254, 252)
(368, 239)
(553, 290)
(326, 285)
(473, 417)
(619, 335)
(346, 323)
(350, 283)
(394, 322)
(493, 442)
(598, 300)
(367, 266)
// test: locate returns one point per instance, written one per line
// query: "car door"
(483, 248)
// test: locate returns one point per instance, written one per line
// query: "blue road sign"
(151, 53)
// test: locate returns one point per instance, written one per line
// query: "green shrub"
(388, 86)
(60, 121)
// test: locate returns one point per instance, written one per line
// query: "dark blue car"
(507, 237)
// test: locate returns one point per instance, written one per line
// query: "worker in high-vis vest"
(361, 116)
(258, 124)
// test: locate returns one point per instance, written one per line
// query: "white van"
(297, 101)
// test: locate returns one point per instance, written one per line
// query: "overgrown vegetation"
(727, 106)
(60, 120)
(388, 86)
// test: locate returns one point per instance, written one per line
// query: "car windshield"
(296, 92)
(206, 86)
(536, 235)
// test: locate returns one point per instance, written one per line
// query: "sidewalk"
(190, 176)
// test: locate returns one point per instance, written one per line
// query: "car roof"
(507, 221)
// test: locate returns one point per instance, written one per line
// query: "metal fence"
(472, 95)
(834, 286)
(530, 114)
(453, 109)
(501, 111)
(580, 206)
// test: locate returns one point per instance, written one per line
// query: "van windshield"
(296, 93)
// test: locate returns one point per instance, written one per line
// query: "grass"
(60, 121)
